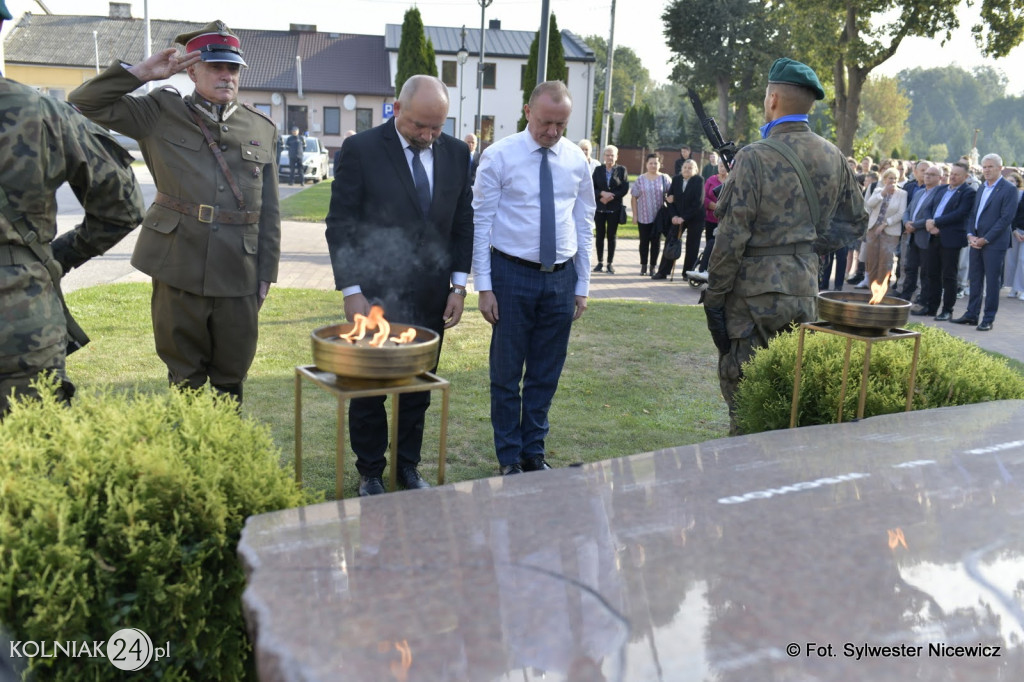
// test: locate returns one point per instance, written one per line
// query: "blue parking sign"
(389, 111)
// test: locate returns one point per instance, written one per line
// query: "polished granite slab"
(889, 549)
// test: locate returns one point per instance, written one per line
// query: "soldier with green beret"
(789, 197)
(46, 143)
(211, 239)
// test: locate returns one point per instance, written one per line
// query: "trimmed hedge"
(950, 371)
(126, 512)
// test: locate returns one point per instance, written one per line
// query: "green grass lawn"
(639, 377)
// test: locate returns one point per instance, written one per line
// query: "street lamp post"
(484, 4)
(462, 55)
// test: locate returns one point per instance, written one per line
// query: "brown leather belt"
(783, 250)
(206, 213)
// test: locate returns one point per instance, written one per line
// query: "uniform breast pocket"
(254, 159)
(181, 148)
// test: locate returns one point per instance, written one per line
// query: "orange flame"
(896, 539)
(375, 320)
(400, 668)
(878, 290)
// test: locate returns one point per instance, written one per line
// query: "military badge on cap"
(215, 41)
(792, 72)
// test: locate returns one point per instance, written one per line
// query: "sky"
(638, 24)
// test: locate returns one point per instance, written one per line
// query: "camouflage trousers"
(19, 385)
(730, 371)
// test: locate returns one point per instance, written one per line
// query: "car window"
(311, 145)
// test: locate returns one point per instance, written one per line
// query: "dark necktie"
(419, 177)
(547, 213)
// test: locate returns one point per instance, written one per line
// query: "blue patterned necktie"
(419, 177)
(547, 213)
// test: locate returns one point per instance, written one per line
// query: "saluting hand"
(164, 64)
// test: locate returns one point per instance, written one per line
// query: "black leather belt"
(784, 250)
(528, 263)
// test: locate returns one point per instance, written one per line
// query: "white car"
(315, 163)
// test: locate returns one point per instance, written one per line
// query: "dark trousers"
(528, 345)
(986, 271)
(836, 259)
(692, 233)
(295, 168)
(650, 243)
(931, 278)
(910, 270)
(606, 223)
(709, 243)
(200, 337)
(949, 263)
(368, 431)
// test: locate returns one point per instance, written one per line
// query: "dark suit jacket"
(474, 163)
(619, 186)
(688, 204)
(378, 236)
(928, 204)
(952, 223)
(993, 225)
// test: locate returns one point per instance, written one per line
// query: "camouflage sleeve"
(736, 212)
(850, 221)
(99, 171)
(105, 100)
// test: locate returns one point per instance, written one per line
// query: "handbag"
(623, 218)
(673, 250)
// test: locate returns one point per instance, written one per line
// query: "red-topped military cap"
(215, 41)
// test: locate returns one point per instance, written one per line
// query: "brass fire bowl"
(389, 362)
(851, 312)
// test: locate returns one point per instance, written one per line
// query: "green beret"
(794, 73)
(4, 12)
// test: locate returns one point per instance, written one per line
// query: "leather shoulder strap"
(801, 172)
(212, 144)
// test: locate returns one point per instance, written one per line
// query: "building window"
(57, 93)
(263, 108)
(332, 121)
(449, 126)
(364, 119)
(490, 75)
(448, 73)
(487, 130)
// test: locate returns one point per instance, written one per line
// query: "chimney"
(302, 28)
(120, 10)
(494, 25)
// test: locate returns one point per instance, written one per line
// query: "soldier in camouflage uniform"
(211, 241)
(43, 143)
(763, 272)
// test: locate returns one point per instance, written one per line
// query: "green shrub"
(950, 371)
(126, 512)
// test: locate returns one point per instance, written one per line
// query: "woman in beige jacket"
(885, 207)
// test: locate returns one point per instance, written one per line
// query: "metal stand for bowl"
(894, 334)
(344, 389)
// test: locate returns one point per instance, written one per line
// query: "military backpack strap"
(801, 172)
(44, 254)
(212, 144)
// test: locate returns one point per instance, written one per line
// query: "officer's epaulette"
(257, 111)
(171, 88)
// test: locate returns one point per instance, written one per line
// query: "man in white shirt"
(534, 205)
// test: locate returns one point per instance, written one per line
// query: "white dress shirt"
(506, 206)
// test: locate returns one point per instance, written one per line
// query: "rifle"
(726, 150)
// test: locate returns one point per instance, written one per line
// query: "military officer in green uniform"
(43, 144)
(211, 240)
(788, 198)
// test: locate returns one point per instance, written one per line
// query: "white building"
(505, 57)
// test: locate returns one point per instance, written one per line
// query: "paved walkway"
(305, 264)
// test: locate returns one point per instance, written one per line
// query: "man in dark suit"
(948, 227)
(684, 155)
(399, 230)
(687, 210)
(919, 209)
(474, 156)
(988, 235)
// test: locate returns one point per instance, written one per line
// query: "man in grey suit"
(988, 235)
(919, 210)
(400, 232)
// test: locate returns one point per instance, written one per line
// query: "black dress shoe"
(944, 317)
(985, 327)
(965, 320)
(923, 312)
(371, 485)
(410, 479)
(598, 268)
(610, 270)
(535, 464)
(510, 469)
(658, 275)
(643, 270)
